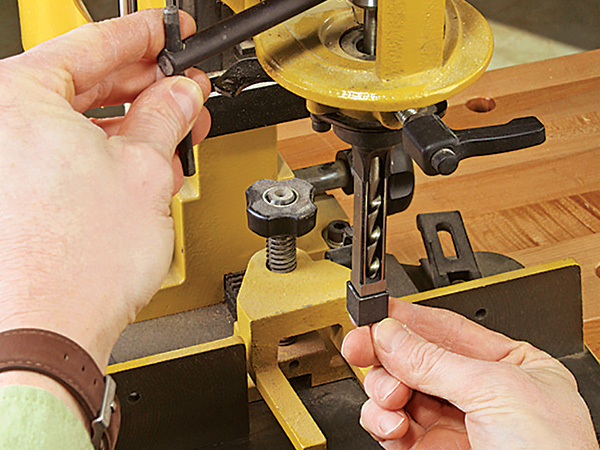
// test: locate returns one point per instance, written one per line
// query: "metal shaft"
(231, 31)
(326, 176)
(370, 31)
(127, 7)
(173, 43)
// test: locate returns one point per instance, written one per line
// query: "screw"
(318, 125)
(281, 253)
(444, 161)
(281, 250)
(280, 196)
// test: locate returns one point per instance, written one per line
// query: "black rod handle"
(173, 43)
(231, 31)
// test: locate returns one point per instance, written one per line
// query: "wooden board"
(536, 205)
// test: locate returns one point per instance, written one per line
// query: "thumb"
(163, 114)
(429, 368)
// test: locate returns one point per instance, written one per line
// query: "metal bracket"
(446, 270)
(239, 76)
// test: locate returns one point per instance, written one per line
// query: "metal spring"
(281, 253)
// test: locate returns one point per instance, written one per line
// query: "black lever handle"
(438, 149)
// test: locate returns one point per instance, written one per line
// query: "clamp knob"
(438, 149)
(283, 207)
(281, 211)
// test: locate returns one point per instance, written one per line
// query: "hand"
(86, 236)
(441, 381)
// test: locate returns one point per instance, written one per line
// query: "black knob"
(285, 207)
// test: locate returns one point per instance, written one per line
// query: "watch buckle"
(102, 422)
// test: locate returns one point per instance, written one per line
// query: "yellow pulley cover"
(426, 51)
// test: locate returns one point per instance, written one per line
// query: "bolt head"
(320, 126)
(335, 233)
(444, 161)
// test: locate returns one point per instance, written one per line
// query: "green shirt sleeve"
(32, 418)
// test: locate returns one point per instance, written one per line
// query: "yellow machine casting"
(426, 52)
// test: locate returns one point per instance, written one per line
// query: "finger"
(110, 125)
(385, 390)
(452, 331)
(437, 438)
(120, 87)
(77, 61)
(178, 177)
(201, 78)
(202, 126)
(126, 84)
(381, 423)
(413, 436)
(430, 368)
(163, 115)
(428, 411)
(357, 348)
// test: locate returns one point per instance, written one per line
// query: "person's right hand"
(86, 233)
(440, 381)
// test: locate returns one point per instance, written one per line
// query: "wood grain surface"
(536, 205)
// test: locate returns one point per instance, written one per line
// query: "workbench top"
(536, 205)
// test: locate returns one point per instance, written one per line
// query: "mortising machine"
(240, 348)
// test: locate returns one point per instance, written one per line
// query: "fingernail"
(386, 387)
(384, 334)
(343, 349)
(390, 422)
(188, 96)
(366, 385)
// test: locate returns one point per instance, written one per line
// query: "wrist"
(24, 378)
(95, 342)
(65, 362)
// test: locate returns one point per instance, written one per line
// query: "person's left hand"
(441, 381)
(86, 236)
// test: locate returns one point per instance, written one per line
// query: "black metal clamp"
(445, 270)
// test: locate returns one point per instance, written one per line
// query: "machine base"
(198, 394)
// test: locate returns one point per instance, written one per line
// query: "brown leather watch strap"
(63, 360)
